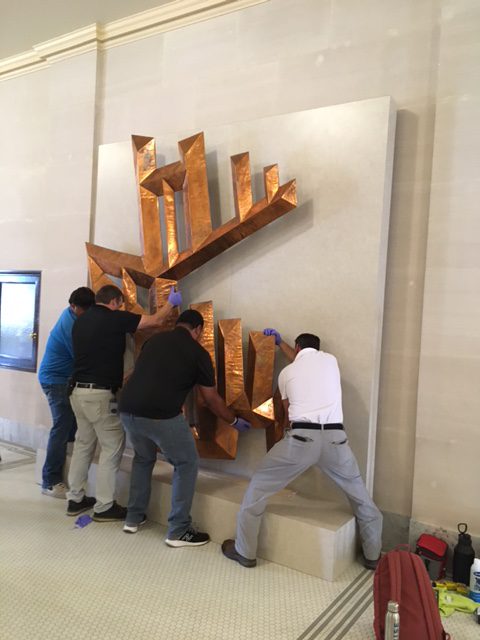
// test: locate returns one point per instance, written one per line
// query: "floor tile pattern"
(98, 583)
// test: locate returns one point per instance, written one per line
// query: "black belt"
(316, 425)
(92, 385)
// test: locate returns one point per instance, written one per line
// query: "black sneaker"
(229, 551)
(191, 538)
(75, 508)
(371, 565)
(116, 512)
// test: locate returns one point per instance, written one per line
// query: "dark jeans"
(62, 432)
(174, 438)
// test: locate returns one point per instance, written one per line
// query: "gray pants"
(330, 452)
(95, 421)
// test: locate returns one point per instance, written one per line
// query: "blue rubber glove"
(175, 297)
(241, 425)
(273, 332)
(82, 521)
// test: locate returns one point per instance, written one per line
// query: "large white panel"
(319, 269)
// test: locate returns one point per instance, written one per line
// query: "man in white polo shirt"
(312, 399)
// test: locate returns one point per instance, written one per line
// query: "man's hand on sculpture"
(175, 297)
(241, 425)
(273, 332)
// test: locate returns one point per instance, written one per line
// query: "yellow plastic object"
(449, 602)
(447, 585)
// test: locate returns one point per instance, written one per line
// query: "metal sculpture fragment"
(189, 175)
(162, 264)
(253, 401)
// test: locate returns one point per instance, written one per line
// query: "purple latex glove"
(82, 521)
(273, 332)
(241, 425)
(175, 297)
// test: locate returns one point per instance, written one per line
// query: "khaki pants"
(95, 422)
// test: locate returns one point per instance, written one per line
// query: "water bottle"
(463, 555)
(392, 622)
(475, 581)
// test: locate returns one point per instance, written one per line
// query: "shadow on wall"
(406, 259)
(219, 271)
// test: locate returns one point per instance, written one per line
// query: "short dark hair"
(191, 317)
(82, 297)
(308, 340)
(108, 293)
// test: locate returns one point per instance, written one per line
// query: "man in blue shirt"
(55, 371)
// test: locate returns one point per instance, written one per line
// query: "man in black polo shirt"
(99, 346)
(169, 366)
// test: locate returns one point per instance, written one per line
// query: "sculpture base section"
(316, 537)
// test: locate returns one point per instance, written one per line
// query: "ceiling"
(28, 22)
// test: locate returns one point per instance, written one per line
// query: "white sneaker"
(57, 491)
(131, 527)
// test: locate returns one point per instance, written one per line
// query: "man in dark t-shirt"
(98, 347)
(169, 366)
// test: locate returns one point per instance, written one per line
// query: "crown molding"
(173, 15)
(69, 44)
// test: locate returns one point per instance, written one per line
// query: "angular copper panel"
(265, 411)
(217, 441)
(98, 279)
(139, 143)
(230, 360)
(170, 223)
(242, 184)
(112, 262)
(141, 279)
(145, 162)
(274, 431)
(173, 173)
(129, 289)
(157, 297)
(214, 437)
(196, 201)
(232, 232)
(207, 339)
(271, 181)
(261, 359)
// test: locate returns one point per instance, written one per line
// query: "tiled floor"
(97, 583)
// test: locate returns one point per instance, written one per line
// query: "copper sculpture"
(163, 264)
(253, 401)
(203, 243)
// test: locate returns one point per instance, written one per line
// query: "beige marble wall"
(288, 55)
(446, 485)
(284, 56)
(46, 164)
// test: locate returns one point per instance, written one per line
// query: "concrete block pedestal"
(313, 536)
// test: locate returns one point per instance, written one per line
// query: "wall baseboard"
(395, 530)
(24, 435)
